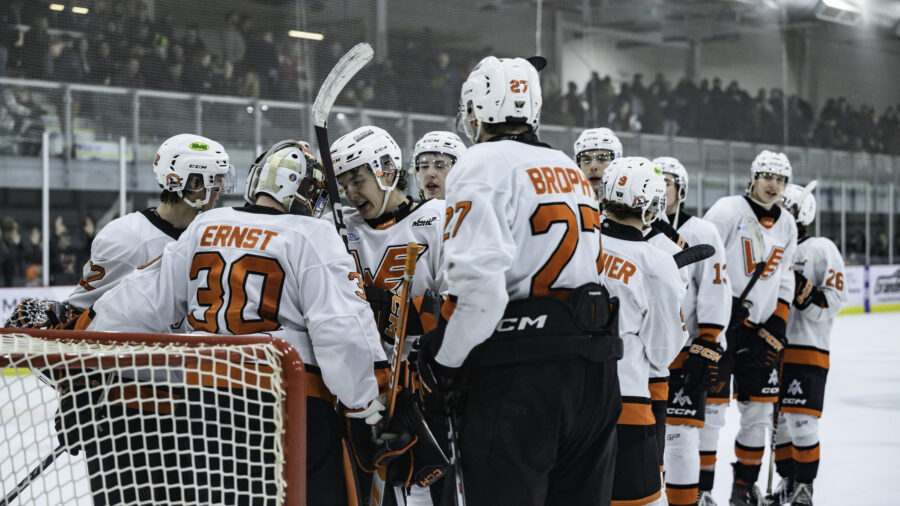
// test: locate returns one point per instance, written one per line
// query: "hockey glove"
(807, 293)
(762, 348)
(739, 313)
(380, 302)
(439, 382)
(700, 369)
(80, 408)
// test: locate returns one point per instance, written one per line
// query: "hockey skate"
(705, 499)
(803, 493)
(782, 493)
(745, 494)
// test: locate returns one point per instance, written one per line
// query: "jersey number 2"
(543, 218)
(213, 295)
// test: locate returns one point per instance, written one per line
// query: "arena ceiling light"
(57, 7)
(839, 11)
(305, 35)
(80, 10)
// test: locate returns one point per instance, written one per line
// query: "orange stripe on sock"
(636, 414)
(682, 496)
(748, 457)
(783, 452)
(707, 461)
(768, 399)
(806, 456)
(659, 389)
(717, 400)
(638, 502)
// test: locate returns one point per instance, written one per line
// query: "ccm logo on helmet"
(521, 323)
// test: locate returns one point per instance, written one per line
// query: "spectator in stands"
(64, 266)
(12, 261)
(598, 93)
(36, 50)
(233, 46)
(67, 64)
(573, 104)
(194, 48)
(9, 34)
(20, 116)
(130, 76)
(880, 249)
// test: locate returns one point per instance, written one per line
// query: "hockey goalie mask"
(289, 173)
(500, 90)
(598, 138)
(373, 148)
(637, 183)
(189, 162)
(800, 204)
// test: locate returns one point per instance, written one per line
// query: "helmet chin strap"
(384, 201)
(196, 204)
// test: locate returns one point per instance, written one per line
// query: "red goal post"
(194, 418)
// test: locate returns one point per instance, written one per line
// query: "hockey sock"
(806, 462)
(784, 461)
(707, 478)
(749, 462)
(682, 462)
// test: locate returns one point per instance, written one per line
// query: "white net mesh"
(139, 423)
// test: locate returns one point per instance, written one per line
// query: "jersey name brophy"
(227, 236)
(559, 180)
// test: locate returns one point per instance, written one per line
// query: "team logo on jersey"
(389, 272)
(352, 237)
(774, 259)
(424, 222)
(173, 181)
(795, 388)
(199, 146)
(681, 399)
(773, 377)
(767, 221)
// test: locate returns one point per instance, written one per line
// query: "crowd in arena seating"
(20, 252)
(120, 44)
(711, 111)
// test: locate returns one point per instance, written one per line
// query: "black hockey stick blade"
(693, 254)
(539, 62)
(33, 475)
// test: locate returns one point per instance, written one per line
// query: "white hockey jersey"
(122, 246)
(707, 304)
(650, 290)
(670, 248)
(380, 250)
(254, 270)
(775, 288)
(819, 260)
(521, 221)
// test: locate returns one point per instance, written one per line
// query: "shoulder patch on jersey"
(425, 221)
(352, 237)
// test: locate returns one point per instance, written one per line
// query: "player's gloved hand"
(372, 413)
(763, 347)
(807, 293)
(380, 302)
(739, 313)
(438, 381)
(701, 367)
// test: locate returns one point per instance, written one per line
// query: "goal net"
(105, 418)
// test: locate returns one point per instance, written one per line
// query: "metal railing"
(856, 191)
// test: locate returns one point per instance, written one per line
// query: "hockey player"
(270, 268)
(756, 336)
(706, 308)
(534, 353)
(650, 290)
(819, 295)
(368, 167)
(595, 148)
(433, 157)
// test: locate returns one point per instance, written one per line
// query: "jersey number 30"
(213, 295)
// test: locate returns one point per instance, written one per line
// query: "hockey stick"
(758, 252)
(459, 491)
(343, 71)
(775, 415)
(397, 319)
(33, 474)
(693, 254)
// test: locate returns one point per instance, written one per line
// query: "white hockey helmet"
(598, 138)
(370, 146)
(670, 165)
(185, 155)
(804, 212)
(439, 141)
(637, 183)
(500, 90)
(769, 162)
(289, 173)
